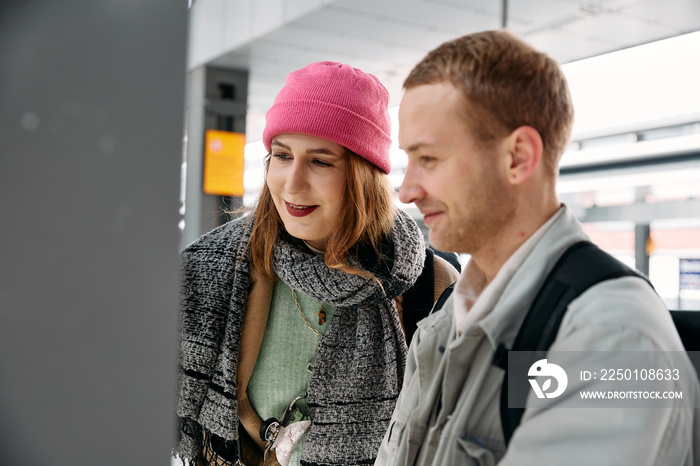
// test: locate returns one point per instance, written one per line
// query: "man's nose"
(410, 190)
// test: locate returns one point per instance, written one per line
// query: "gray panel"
(91, 124)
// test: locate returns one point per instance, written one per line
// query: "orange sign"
(223, 163)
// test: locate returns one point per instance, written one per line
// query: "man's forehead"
(434, 93)
(424, 112)
(428, 102)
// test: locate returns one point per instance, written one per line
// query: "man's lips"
(430, 216)
(296, 210)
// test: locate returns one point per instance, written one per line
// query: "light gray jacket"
(448, 410)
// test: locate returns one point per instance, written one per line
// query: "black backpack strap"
(581, 266)
(418, 300)
(443, 297)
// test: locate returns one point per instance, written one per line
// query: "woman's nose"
(297, 178)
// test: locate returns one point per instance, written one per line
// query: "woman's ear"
(525, 149)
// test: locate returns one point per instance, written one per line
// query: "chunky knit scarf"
(359, 367)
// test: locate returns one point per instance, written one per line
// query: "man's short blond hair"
(506, 84)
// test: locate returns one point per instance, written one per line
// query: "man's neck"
(492, 255)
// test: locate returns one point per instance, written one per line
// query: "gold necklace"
(321, 315)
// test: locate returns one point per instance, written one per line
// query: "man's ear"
(525, 149)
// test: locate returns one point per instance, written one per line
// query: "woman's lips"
(299, 210)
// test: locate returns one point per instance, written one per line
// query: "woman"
(294, 306)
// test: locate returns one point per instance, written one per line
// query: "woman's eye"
(281, 156)
(322, 163)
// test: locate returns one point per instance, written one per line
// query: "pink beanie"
(336, 102)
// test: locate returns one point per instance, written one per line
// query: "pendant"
(321, 316)
(282, 435)
(287, 439)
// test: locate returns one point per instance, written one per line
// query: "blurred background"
(130, 128)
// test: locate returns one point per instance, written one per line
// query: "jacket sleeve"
(615, 316)
(407, 398)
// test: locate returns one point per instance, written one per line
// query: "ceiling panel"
(683, 15)
(375, 28)
(489, 7)
(528, 16)
(565, 46)
(620, 29)
(429, 15)
(606, 5)
(333, 44)
(387, 37)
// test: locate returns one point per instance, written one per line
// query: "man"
(484, 121)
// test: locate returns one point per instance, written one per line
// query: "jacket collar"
(504, 321)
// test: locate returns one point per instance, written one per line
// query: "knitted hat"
(336, 102)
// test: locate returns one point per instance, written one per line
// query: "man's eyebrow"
(415, 147)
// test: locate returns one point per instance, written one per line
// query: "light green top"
(288, 347)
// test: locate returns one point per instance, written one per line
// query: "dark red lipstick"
(299, 210)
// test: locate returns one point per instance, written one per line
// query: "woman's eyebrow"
(320, 150)
(277, 143)
(323, 151)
